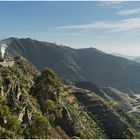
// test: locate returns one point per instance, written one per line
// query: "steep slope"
(127, 106)
(103, 70)
(80, 64)
(16, 105)
(32, 105)
(104, 114)
(37, 105)
(123, 100)
(41, 54)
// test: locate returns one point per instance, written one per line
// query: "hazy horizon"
(113, 26)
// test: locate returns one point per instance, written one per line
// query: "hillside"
(127, 106)
(36, 104)
(80, 64)
(31, 106)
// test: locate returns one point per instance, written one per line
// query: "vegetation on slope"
(37, 105)
(32, 106)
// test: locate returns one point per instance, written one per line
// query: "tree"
(39, 127)
(12, 123)
(48, 82)
(4, 110)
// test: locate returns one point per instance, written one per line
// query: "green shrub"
(49, 82)
(12, 123)
(6, 134)
(50, 105)
(4, 111)
(39, 127)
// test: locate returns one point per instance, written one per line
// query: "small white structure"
(3, 47)
(5, 63)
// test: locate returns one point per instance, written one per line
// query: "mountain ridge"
(87, 64)
(129, 57)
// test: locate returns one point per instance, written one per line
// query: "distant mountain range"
(87, 64)
(134, 58)
(125, 56)
(137, 59)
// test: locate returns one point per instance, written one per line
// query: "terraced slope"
(102, 113)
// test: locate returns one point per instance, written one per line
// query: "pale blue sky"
(108, 26)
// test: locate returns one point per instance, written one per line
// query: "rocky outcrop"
(66, 122)
(7, 63)
(1, 91)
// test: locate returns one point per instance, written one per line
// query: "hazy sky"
(108, 26)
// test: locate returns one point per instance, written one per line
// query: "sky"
(110, 26)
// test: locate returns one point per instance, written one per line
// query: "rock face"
(7, 63)
(20, 118)
(1, 91)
